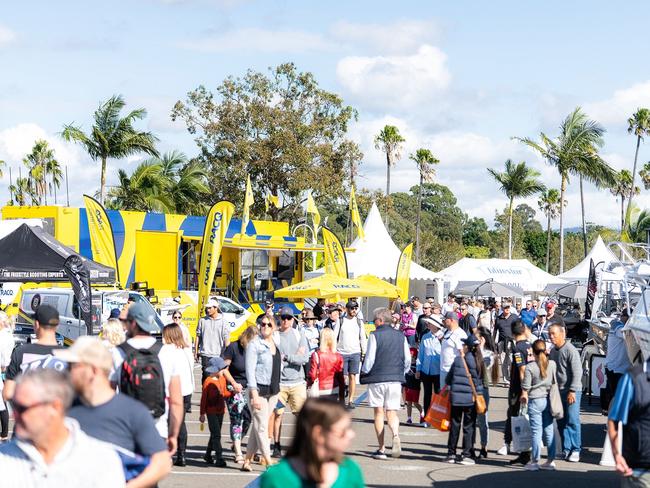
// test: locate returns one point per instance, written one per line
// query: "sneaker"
(409, 421)
(277, 452)
(523, 459)
(379, 455)
(574, 457)
(467, 461)
(563, 455)
(424, 424)
(396, 450)
(531, 466)
(220, 463)
(483, 453)
(208, 458)
(504, 451)
(450, 459)
(548, 466)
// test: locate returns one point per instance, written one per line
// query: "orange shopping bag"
(439, 413)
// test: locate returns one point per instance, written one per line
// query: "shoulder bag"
(554, 398)
(479, 400)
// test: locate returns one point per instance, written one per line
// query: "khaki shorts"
(293, 397)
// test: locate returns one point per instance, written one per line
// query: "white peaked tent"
(599, 253)
(378, 255)
(515, 272)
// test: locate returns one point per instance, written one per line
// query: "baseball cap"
(451, 316)
(115, 314)
(550, 304)
(541, 312)
(351, 304)
(471, 341)
(46, 315)
(143, 316)
(89, 350)
(212, 303)
(285, 311)
(215, 365)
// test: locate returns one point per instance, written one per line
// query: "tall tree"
(425, 162)
(638, 226)
(20, 191)
(112, 136)
(623, 189)
(549, 204)
(645, 175)
(639, 125)
(390, 142)
(281, 128)
(517, 181)
(40, 163)
(573, 152)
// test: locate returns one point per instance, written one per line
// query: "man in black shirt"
(467, 321)
(38, 355)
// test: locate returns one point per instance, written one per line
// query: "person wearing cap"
(319, 309)
(35, 355)
(427, 366)
(140, 324)
(118, 420)
(212, 336)
(351, 342)
(540, 325)
(115, 313)
(294, 348)
(333, 316)
(463, 406)
(552, 316)
(452, 344)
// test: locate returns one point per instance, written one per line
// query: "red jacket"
(328, 368)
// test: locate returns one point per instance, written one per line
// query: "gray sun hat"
(143, 316)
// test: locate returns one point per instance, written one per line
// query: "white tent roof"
(378, 255)
(515, 272)
(600, 252)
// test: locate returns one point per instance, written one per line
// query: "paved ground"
(420, 465)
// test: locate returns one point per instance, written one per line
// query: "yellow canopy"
(387, 289)
(336, 288)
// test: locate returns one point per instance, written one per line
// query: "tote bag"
(522, 436)
(439, 414)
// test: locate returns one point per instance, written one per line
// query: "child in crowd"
(215, 390)
(412, 390)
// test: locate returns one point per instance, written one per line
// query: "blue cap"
(215, 365)
(471, 341)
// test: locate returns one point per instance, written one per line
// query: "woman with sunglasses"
(538, 378)
(177, 318)
(263, 364)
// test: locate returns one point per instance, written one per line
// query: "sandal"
(246, 466)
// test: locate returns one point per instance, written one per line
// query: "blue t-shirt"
(528, 316)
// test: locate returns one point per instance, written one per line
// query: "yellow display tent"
(336, 288)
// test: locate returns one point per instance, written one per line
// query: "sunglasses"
(175, 317)
(286, 317)
(265, 324)
(21, 409)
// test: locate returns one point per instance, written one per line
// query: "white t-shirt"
(171, 360)
(351, 340)
(185, 368)
(452, 344)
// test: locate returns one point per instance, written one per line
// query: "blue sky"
(459, 77)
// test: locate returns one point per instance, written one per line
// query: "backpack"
(142, 377)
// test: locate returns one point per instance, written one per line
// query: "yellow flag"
(403, 272)
(313, 210)
(336, 262)
(271, 200)
(248, 202)
(214, 232)
(356, 218)
(102, 241)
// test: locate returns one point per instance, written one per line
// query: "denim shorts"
(351, 363)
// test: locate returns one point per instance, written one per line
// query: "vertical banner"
(248, 202)
(354, 213)
(79, 277)
(592, 288)
(336, 262)
(313, 210)
(102, 241)
(214, 232)
(403, 272)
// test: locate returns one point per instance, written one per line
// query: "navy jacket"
(461, 391)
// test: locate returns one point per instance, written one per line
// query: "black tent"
(29, 254)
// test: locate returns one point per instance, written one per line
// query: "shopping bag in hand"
(439, 413)
(522, 436)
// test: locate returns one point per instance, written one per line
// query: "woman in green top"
(316, 456)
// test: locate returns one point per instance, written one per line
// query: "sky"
(460, 78)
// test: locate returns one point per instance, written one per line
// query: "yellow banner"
(356, 218)
(403, 272)
(102, 241)
(248, 202)
(313, 210)
(214, 232)
(271, 200)
(335, 261)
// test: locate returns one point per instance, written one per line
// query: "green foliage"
(534, 244)
(475, 233)
(478, 252)
(44, 172)
(645, 175)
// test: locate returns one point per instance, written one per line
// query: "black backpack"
(142, 377)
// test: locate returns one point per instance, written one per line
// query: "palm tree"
(639, 125)
(20, 191)
(638, 226)
(39, 162)
(574, 152)
(112, 136)
(517, 181)
(53, 169)
(144, 190)
(389, 141)
(623, 188)
(645, 175)
(549, 204)
(425, 161)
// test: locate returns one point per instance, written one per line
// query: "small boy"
(412, 390)
(215, 389)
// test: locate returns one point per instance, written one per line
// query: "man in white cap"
(212, 336)
(118, 420)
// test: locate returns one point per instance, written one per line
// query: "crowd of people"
(121, 399)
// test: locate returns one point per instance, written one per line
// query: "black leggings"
(4, 422)
(429, 383)
(182, 433)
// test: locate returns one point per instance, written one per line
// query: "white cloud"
(396, 82)
(254, 39)
(7, 36)
(622, 104)
(403, 36)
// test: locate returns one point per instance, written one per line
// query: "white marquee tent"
(515, 272)
(599, 253)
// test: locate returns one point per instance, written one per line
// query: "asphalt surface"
(422, 453)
